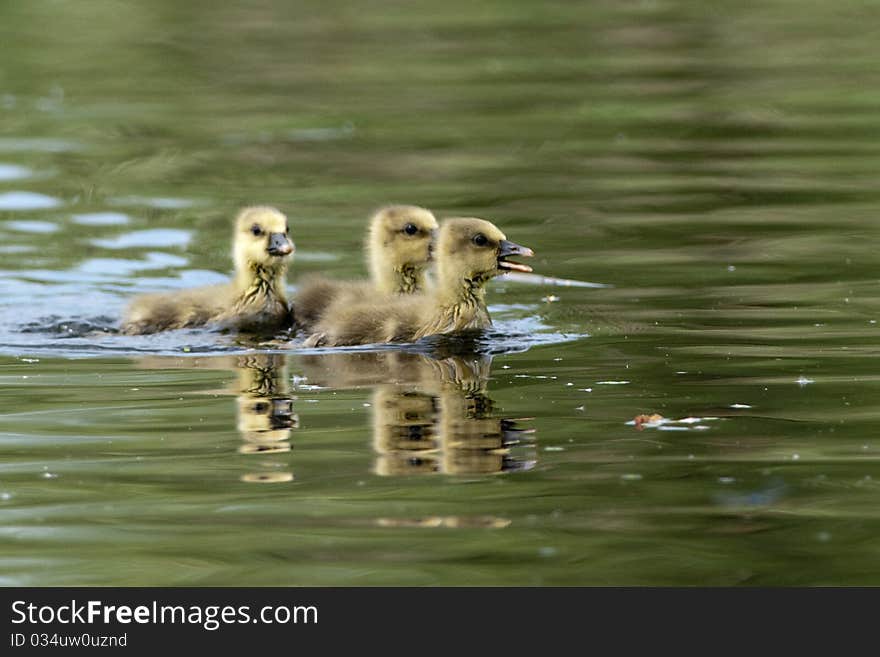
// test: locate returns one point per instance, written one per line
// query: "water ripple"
(29, 226)
(27, 201)
(156, 237)
(14, 172)
(101, 219)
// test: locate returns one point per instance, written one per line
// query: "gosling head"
(261, 239)
(473, 251)
(400, 246)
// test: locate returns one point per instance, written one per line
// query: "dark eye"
(256, 230)
(410, 229)
(286, 230)
(480, 239)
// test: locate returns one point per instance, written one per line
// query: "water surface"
(713, 166)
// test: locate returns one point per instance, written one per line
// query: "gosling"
(399, 244)
(470, 252)
(255, 301)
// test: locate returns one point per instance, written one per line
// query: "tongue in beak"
(507, 248)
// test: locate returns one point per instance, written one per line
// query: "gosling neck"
(256, 281)
(406, 279)
(458, 305)
(456, 287)
(388, 274)
(463, 297)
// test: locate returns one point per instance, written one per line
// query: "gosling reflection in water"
(430, 416)
(405, 433)
(265, 416)
(264, 406)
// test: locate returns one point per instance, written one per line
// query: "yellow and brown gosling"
(255, 301)
(469, 253)
(399, 244)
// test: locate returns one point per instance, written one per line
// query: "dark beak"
(279, 245)
(507, 248)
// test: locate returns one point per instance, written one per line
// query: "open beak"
(279, 245)
(507, 248)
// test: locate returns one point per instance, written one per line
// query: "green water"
(713, 164)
